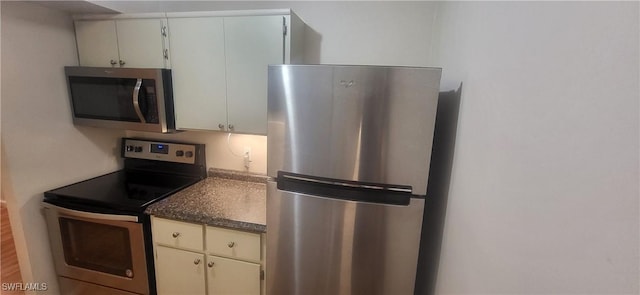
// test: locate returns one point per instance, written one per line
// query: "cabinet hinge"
(284, 26)
(166, 54)
(164, 31)
(262, 275)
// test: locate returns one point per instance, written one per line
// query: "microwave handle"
(136, 101)
(90, 215)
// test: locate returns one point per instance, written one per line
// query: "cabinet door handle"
(221, 126)
(230, 126)
(197, 261)
(113, 62)
(121, 62)
(231, 244)
(210, 264)
(176, 234)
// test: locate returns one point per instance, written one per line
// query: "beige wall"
(544, 193)
(41, 148)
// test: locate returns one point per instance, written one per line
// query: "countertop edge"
(217, 222)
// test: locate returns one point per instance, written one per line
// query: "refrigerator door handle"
(344, 190)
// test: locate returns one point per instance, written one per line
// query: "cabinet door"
(97, 43)
(252, 43)
(141, 43)
(228, 276)
(198, 69)
(179, 271)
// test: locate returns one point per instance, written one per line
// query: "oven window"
(96, 246)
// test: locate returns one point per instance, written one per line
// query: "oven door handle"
(90, 215)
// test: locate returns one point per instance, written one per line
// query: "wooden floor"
(9, 268)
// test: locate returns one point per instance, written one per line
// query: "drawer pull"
(176, 234)
(210, 264)
(231, 244)
(197, 261)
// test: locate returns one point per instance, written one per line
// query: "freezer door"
(323, 245)
(360, 123)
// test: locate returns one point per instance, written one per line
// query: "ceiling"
(76, 7)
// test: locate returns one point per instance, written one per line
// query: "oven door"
(103, 249)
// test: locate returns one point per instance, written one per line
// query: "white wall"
(376, 33)
(544, 196)
(41, 149)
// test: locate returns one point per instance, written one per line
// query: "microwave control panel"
(159, 151)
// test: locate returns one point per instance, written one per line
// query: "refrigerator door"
(323, 245)
(361, 123)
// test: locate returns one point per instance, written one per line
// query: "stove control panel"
(159, 151)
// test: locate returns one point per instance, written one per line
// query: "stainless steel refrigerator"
(349, 149)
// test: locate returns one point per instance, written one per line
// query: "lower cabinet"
(197, 259)
(179, 271)
(229, 276)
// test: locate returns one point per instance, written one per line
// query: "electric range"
(100, 236)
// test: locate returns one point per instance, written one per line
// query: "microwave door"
(105, 98)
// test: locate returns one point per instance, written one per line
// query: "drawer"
(177, 233)
(233, 243)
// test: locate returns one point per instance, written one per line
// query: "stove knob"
(188, 154)
(179, 153)
(138, 149)
(129, 148)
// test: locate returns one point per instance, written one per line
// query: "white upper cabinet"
(141, 43)
(219, 65)
(218, 59)
(251, 44)
(198, 70)
(131, 43)
(97, 43)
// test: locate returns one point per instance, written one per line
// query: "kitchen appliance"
(99, 234)
(349, 151)
(124, 98)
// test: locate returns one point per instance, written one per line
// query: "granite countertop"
(228, 199)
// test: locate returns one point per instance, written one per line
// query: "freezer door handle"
(344, 190)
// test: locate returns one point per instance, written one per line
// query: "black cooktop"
(152, 171)
(130, 191)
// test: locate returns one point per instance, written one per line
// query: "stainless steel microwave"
(123, 98)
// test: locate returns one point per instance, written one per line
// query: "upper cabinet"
(219, 65)
(130, 43)
(218, 60)
(198, 70)
(251, 44)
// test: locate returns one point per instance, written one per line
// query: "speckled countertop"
(226, 198)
